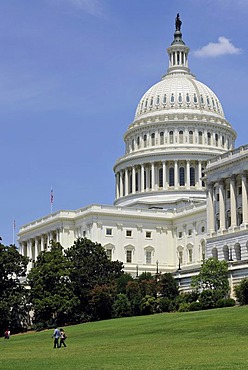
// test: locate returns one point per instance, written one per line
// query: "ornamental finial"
(178, 22)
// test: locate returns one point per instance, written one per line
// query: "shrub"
(121, 306)
(183, 307)
(148, 305)
(241, 291)
(195, 306)
(225, 302)
(165, 304)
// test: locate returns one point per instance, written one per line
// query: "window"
(180, 257)
(129, 256)
(189, 232)
(84, 233)
(128, 233)
(187, 98)
(216, 139)
(172, 100)
(171, 137)
(200, 137)
(180, 234)
(181, 176)
(160, 177)
(239, 190)
(145, 141)
(148, 257)
(202, 100)
(136, 181)
(191, 137)
(180, 137)
(133, 144)
(180, 99)
(138, 141)
(222, 141)
(148, 234)
(157, 101)
(209, 138)
(109, 231)
(203, 229)
(190, 255)
(171, 176)
(109, 254)
(217, 197)
(161, 138)
(164, 99)
(130, 183)
(195, 99)
(192, 176)
(228, 193)
(146, 103)
(151, 102)
(153, 139)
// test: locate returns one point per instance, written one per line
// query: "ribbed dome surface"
(179, 91)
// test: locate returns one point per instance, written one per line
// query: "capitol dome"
(179, 125)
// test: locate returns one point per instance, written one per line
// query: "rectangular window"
(84, 233)
(148, 257)
(109, 254)
(180, 234)
(240, 190)
(109, 231)
(129, 257)
(228, 194)
(190, 255)
(190, 232)
(217, 197)
(129, 233)
(148, 234)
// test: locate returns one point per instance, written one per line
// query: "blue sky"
(71, 75)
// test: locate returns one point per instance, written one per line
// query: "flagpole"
(51, 199)
(14, 226)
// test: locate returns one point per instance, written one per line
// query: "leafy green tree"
(51, 294)
(168, 286)
(121, 306)
(241, 291)
(13, 304)
(122, 282)
(149, 305)
(101, 301)
(212, 282)
(90, 267)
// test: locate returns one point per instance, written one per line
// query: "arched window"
(187, 98)
(209, 138)
(130, 183)
(160, 177)
(157, 101)
(239, 216)
(226, 253)
(192, 176)
(216, 139)
(151, 102)
(138, 142)
(161, 138)
(136, 181)
(150, 179)
(153, 139)
(145, 141)
(195, 99)
(180, 99)
(181, 137)
(171, 176)
(133, 144)
(215, 252)
(181, 176)
(172, 100)
(228, 218)
(237, 251)
(200, 137)
(222, 141)
(164, 99)
(146, 103)
(191, 137)
(171, 137)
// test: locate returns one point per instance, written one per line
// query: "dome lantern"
(178, 51)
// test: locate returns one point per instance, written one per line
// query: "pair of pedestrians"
(59, 338)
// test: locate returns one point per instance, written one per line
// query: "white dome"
(180, 91)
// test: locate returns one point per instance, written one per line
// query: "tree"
(212, 282)
(241, 291)
(90, 267)
(13, 304)
(51, 293)
(168, 286)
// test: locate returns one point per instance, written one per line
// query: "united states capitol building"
(181, 186)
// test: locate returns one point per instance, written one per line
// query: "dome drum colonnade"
(179, 125)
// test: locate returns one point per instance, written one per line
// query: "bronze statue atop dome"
(178, 22)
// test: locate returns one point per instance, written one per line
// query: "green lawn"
(214, 339)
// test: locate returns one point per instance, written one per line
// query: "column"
(210, 207)
(176, 174)
(187, 175)
(153, 176)
(222, 206)
(133, 180)
(164, 175)
(233, 202)
(142, 183)
(29, 254)
(121, 184)
(126, 181)
(36, 250)
(58, 235)
(199, 174)
(244, 199)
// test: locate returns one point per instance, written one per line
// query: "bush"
(241, 291)
(121, 306)
(195, 306)
(165, 304)
(184, 307)
(225, 302)
(149, 305)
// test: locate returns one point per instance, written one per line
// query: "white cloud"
(215, 49)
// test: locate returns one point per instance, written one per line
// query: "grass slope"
(214, 339)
